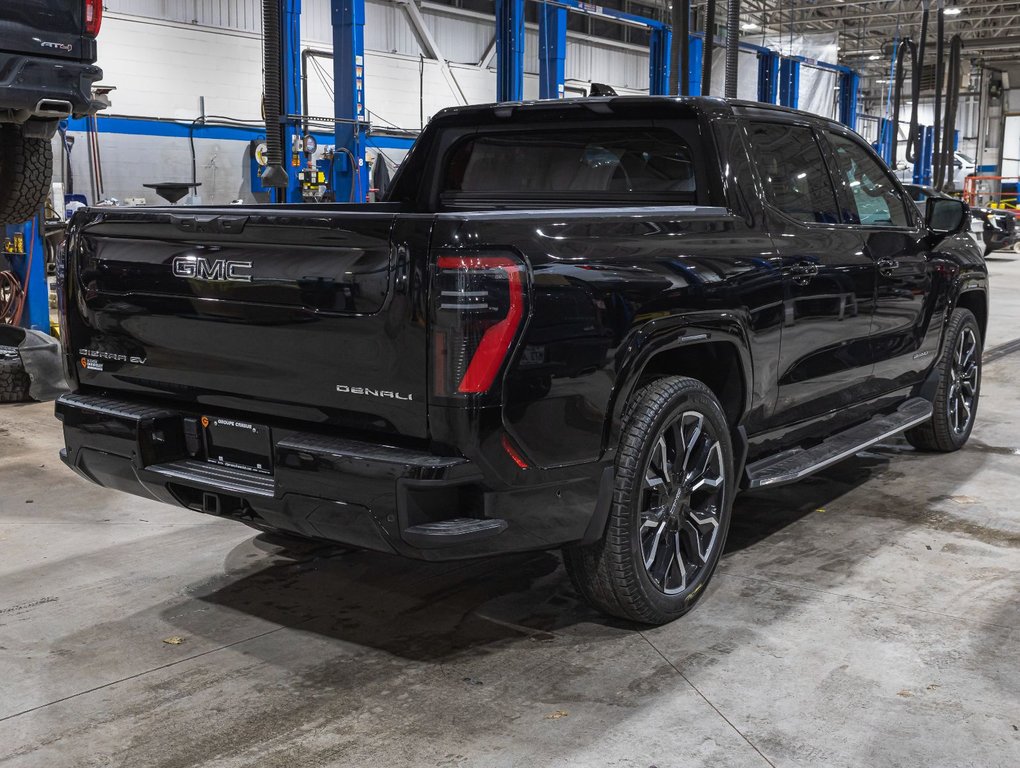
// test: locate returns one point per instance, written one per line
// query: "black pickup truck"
(47, 69)
(573, 324)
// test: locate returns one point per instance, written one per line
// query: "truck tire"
(670, 512)
(14, 382)
(26, 167)
(956, 397)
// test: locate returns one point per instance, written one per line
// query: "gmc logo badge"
(198, 268)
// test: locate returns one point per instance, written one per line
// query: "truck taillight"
(93, 17)
(477, 311)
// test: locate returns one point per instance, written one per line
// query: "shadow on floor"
(428, 611)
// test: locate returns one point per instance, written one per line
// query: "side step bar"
(795, 464)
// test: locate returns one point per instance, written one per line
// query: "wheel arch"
(716, 356)
(975, 300)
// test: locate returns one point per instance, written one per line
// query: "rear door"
(42, 27)
(906, 328)
(825, 359)
(297, 314)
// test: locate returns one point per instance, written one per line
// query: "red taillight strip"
(496, 342)
(93, 17)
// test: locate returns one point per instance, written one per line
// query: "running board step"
(790, 466)
(447, 533)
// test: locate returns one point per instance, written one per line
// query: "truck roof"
(625, 105)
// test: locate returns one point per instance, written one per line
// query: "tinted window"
(573, 165)
(874, 200)
(793, 171)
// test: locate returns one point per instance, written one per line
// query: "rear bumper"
(32, 86)
(361, 494)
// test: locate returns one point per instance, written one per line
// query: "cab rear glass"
(572, 166)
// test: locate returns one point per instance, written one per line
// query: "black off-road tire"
(939, 434)
(611, 573)
(26, 168)
(14, 382)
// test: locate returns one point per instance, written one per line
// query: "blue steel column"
(509, 50)
(290, 65)
(349, 99)
(922, 167)
(885, 131)
(552, 50)
(768, 76)
(849, 89)
(789, 83)
(659, 41)
(36, 314)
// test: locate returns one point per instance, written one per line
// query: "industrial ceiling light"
(874, 57)
(954, 11)
(750, 26)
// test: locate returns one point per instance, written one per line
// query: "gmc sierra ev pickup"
(47, 55)
(573, 324)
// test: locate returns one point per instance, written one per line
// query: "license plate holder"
(238, 444)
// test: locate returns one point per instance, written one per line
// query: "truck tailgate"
(43, 27)
(285, 312)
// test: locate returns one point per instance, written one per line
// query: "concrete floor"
(866, 617)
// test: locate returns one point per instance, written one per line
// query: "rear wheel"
(671, 507)
(956, 397)
(26, 167)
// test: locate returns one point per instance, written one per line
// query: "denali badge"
(372, 392)
(198, 268)
(59, 46)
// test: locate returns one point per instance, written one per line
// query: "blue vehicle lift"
(350, 176)
(552, 47)
(778, 76)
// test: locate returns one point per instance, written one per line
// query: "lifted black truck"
(47, 68)
(573, 324)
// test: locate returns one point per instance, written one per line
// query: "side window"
(873, 198)
(793, 171)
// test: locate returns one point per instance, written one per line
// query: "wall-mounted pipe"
(732, 42)
(274, 174)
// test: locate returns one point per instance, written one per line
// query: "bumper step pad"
(445, 533)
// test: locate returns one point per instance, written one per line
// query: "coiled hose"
(732, 41)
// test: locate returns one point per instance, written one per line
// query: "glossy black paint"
(615, 296)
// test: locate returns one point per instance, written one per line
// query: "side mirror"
(946, 216)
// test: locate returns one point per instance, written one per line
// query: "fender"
(665, 334)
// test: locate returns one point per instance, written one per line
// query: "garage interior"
(866, 616)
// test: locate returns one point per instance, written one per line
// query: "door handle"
(888, 266)
(803, 271)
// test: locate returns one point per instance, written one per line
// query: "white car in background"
(963, 166)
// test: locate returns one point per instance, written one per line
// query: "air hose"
(940, 35)
(732, 41)
(680, 49)
(706, 57)
(274, 175)
(948, 151)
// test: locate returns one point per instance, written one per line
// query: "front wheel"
(956, 397)
(673, 493)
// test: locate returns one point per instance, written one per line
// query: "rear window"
(572, 166)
